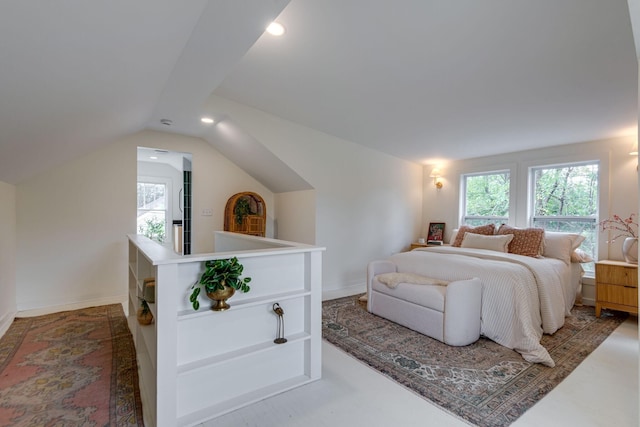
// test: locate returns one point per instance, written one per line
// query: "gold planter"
(220, 297)
(144, 316)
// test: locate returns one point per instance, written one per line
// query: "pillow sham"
(561, 245)
(487, 230)
(526, 241)
(493, 243)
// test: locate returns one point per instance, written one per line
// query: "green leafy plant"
(144, 315)
(219, 273)
(241, 210)
(145, 306)
(153, 229)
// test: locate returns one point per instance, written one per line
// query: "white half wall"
(8, 305)
(72, 221)
(368, 204)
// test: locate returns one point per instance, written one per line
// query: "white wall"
(618, 178)
(72, 223)
(368, 204)
(72, 220)
(296, 216)
(7, 255)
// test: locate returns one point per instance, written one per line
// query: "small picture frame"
(436, 233)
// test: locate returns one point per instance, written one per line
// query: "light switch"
(207, 212)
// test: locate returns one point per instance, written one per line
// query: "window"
(565, 198)
(486, 198)
(152, 210)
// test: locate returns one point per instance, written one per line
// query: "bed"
(523, 296)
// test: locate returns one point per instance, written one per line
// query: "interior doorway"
(164, 202)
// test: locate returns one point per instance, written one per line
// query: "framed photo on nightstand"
(436, 233)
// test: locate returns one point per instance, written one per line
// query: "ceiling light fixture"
(276, 29)
(207, 120)
(153, 157)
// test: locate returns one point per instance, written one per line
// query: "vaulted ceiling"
(418, 79)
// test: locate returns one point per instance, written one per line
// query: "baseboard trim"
(359, 288)
(6, 321)
(122, 299)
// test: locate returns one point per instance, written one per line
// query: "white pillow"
(561, 245)
(480, 241)
(454, 233)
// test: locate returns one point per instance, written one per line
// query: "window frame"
(519, 164)
(168, 235)
(463, 200)
(531, 217)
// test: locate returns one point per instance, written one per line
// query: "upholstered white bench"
(449, 313)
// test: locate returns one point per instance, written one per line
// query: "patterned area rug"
(483, 383)
(75, 368)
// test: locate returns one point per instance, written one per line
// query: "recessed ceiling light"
(275, 29)
(153, 157)
(207, 120)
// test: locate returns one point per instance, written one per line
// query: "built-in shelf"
(243, 352)
(184, 351)
(247, 303)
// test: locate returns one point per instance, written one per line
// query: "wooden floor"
(602, 391)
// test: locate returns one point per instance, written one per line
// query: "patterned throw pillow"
(526, 241)
(487, 230)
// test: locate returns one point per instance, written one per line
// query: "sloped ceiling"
(418, 79)
(456, 79)
(77, 74)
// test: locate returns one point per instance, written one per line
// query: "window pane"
(566, 199)
(566, 191)
(152, 224)
(486, 198)
(151, 196)
(152, 208)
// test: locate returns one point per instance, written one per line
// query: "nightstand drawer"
(616, 286)
(617, 275)
(617, 294)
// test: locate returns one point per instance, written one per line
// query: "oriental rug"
(74, 368)
(485, 384)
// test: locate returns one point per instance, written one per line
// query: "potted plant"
(220, 280)
(144, 315)
(241, 210)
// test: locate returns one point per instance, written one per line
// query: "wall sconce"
(435, 174)
(634, 150)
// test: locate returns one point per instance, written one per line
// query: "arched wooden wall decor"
(246, 213)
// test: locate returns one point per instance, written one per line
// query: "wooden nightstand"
(616, 286)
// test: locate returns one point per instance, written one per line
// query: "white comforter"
(522, 297)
